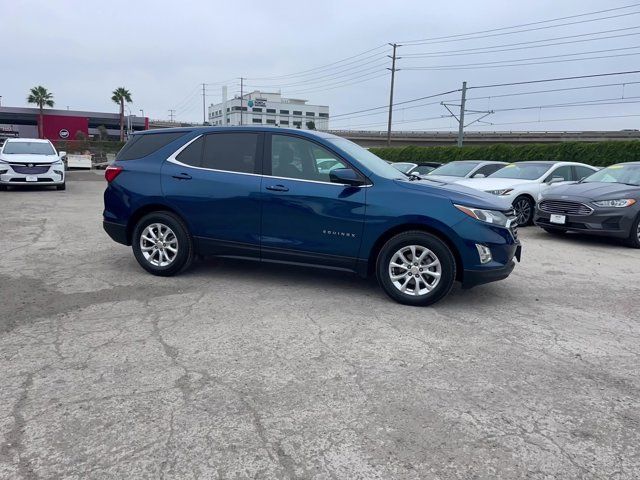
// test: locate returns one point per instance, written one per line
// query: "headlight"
(618, 203)
(505, 191)
(489, 216)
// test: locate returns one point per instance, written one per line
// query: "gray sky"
(162, 50)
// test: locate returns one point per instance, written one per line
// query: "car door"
(305, 217)
(214, 183)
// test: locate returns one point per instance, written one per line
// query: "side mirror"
(479, 175)
(346, 176)
(62, 154)
(556, 180)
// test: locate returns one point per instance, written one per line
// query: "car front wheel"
(162, 244)
(523, 207)
(634, 235)
(416, 268)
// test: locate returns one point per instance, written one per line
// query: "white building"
(271, 109)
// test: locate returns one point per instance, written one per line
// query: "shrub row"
(600, 153)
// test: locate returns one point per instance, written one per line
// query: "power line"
(601, 117)
(575, 77)
(467, 36)
(517, 94)
(338, 86)
(523, 45)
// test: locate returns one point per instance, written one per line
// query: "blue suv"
(303, 198)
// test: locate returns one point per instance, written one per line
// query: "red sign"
(64, 127)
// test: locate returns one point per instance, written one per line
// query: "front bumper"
(609, 222)
(473, 278)
(54, 175)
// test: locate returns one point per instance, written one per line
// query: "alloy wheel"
(522, 210)
(159, 245)
(415, 270)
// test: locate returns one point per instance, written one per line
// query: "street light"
(142, 112)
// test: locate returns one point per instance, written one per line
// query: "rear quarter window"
(142, 145)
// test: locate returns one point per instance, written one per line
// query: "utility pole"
(393, 75)
(204, 112)
(171, 114)
(241, 98)
(461, 118)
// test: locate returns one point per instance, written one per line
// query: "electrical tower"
(463, 110)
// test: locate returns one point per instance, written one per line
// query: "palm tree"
(41, 97)
(121, 95)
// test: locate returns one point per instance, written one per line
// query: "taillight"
(111, 172)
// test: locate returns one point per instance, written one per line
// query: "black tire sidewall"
(633, 240)
(185, 247)
(433, 243)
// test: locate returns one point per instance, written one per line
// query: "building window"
(256, 109)
(297, 113)
(323, 115)
(271, 110)
(284, 122)
(256, 120)
(272, 121)
(284, 112)
(311, 114)
(297, 124)
(228, 109)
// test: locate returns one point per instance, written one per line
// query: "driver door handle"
(277, 188)
(182, 176)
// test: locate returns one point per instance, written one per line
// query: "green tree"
(121, 95)
(103, 133)
(42, 98)
(311, 125)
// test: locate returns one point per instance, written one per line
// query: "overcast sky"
(162, 50)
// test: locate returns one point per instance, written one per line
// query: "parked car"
(31, 161)
(520, 183)
(422, 168)
(606, 203)
(461, 169)
(257, 193)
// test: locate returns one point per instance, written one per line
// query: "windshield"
(403, 167)
(629, 174)
(367, 159)
(29, 148)
(522, 171)
(455, 169)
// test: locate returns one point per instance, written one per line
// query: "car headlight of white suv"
(617, 203)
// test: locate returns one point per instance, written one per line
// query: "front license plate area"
(31, 178)
(559, 219)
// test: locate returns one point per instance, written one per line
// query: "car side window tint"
(293, 157)
(564, 172)
(192, 155)
(486, 170)
(233, 152)
(583, 172)
(141, 145)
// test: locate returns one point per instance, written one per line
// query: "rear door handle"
(182, 176)
(277, 188)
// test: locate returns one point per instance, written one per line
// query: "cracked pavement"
(239, 370)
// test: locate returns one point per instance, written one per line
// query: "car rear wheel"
(162, 244)
(634, 236)
(416, 268)
(523, 207)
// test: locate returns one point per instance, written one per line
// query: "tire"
(162, 261)
(522, 205)
(555, 231)
(634, 235)
(425, 245)
(61, 187)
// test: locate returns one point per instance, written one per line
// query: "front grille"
(563, 207)
(24, 180)
(513, 223)
(25, 169)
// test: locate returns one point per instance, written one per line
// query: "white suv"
(521, 183)
(31, 161)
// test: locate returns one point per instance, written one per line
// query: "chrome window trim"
(172, 158)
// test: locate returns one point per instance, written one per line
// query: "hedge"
(600, 153)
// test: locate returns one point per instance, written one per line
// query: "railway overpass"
(428, 139)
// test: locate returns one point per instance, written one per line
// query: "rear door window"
(145, 144)
(564, 172)
(231, 152)
(192, 155)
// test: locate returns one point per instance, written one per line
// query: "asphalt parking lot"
(241, 370)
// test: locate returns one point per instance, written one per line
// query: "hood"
(489, 183)
(592, 191)
(28, 158)
(457, 194)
